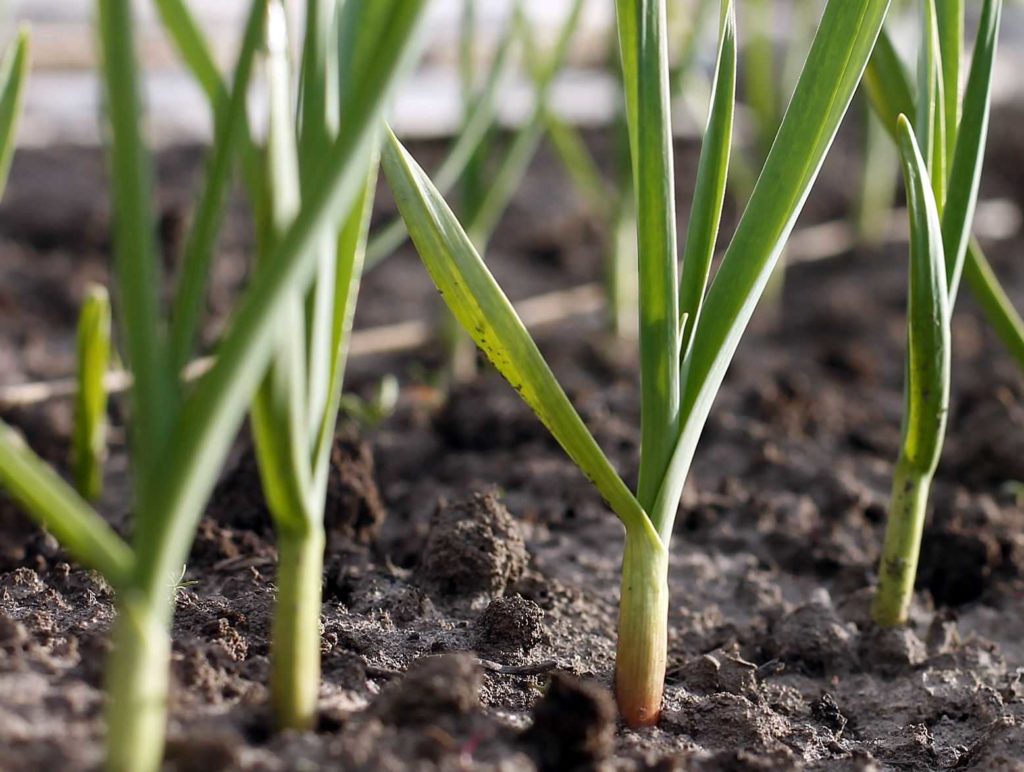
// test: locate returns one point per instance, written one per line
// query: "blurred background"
(62, 93)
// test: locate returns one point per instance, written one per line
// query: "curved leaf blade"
(887, 84)
(56, 505)
(928, 338)
(481, 307)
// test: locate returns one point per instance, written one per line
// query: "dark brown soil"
(471, 582)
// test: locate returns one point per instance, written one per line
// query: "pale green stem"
(643, 631)
(137, 677)
(902, 545)
(295, 652)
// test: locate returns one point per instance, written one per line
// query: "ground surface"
(471, 580)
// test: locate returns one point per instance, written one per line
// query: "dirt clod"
(720, 671)
(511, 624)
(723, 721)
(573, 725)
(814, 638)
(826, 710)
(890, 650)
(354, 510)
(448, 684)
(474, 548)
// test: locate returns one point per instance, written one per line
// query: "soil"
(471, 581)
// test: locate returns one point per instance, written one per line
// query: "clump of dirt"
(723, 720)
(354, 510)
(968, 544)
(238, 524)
(434, 686)
(891, 650)
(722, 670)
(573, 725)
(827, 711)
(474, 548)
(814, 638)
(511, 624)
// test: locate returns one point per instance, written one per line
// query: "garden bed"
(471, 566)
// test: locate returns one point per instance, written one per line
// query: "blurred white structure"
(62, 101)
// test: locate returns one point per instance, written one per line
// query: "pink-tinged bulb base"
(643, 633)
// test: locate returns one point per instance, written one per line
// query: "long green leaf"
(887, 84)
(214, 410)
(351, 257)
(13, 71)
(319, 96)
(645, 73)
(477, 301)
(712, 173)
(192, 45)
(930, 120)
(840, 51)
(229, 135)
(928, 337)
(279, 419)
(136, 267)
(994, 302)
(950, 15)
(926, 392)
(64, 513)
(965, 177)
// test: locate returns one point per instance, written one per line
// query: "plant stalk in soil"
(685, 351)
(180, 434)
(926, 400)
(952, 141)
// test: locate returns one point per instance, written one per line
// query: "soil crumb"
(573, 725)
(474, 547)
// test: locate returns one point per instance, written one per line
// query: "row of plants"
(310, 182)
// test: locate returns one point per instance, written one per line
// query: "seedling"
(688, 331)
(926, 394)
(941, 219)
(296, 407)
(90, 433)
(888, 86)
(180, 434)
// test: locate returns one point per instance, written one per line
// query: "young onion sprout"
(689, 330)
(951, 136)
(180, 433)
